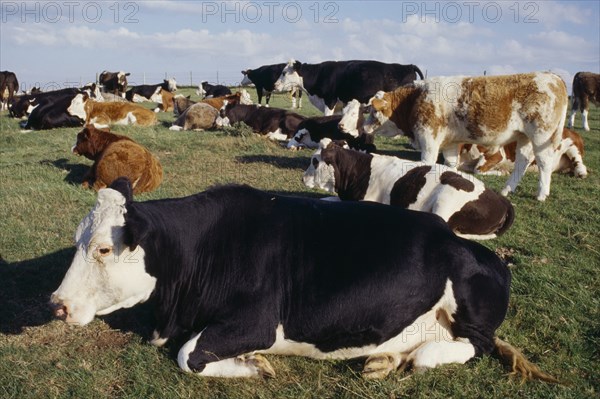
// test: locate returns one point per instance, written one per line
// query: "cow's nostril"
(59, 310)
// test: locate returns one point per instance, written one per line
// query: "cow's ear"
(123, 185)
(136, 228)
(378, 104)
(188, 97)
(127, 74)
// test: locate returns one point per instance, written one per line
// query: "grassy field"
(554, 248)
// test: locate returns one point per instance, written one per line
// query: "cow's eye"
(104, 250)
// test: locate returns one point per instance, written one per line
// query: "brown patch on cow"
(586, 88)
(399, 106)
(180, 104)
(114, 156)
(575, 138)
(199, 116)
(407, 188)
(106, 113)
(457, 181)
(492, 158)
(167, 101)
(218, 102)
(491, 213)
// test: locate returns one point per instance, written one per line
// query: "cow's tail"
(519, 365)
(509, 218)
(418, 71)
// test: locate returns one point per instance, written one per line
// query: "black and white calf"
(264, 79)
(206, 90)
(114, 82)
(312, 130)
(471, 210)
(143, 93)
(275, 123)
(238, 273)
(332, 81)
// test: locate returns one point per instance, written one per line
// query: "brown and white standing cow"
(440, 113)
(9, 85)
(586, 88)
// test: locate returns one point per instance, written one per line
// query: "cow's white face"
(289, 78)
(378, 119)
(351, 114)
(172, 85)
(104, 275)
(245, 98)
(200, 92)
(246, 81)
(77, 107)
(302, 139)
(319, 174)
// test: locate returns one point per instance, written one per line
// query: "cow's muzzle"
(59, 309)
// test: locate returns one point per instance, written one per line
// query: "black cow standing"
(264, 79)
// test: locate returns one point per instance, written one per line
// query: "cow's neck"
(402, 102)
(352, 171)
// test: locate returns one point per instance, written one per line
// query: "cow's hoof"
(379, 366)
(542, 197)
(505, 191)
(262, 365)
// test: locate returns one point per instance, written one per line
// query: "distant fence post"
(144, 77)
(217, 77)
(97, 78)
(191, 80)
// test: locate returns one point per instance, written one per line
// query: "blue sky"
(60, 42)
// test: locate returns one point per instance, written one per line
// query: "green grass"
(553, 317)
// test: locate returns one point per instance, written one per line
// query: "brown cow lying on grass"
(114, 156)
(104, 114)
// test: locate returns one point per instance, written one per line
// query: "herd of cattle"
(239, 273)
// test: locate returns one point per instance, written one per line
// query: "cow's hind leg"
(379, 365)
(436, 353)
(523, 157)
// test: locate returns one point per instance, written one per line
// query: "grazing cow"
(53, 109)
(114, 156)
(275, 123)
(264, 79)
(238, 273)
(332, 81)
(114, 82)
(470, 209)
(441, 113)
(586, 88)
(102, 114)
(9, 85)
(206, 90)
(486, 161)
(166, 103)
(144, 93)
(199, 116)
(312, 130)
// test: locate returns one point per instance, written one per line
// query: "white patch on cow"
(246, 81)
(77, 107)
(200, 92)
(128, 119)
(302, 138)
(584, 120)
(157, 340)
(30, 108)
(572, 118)
(277, 135)
(139, 99)
(184, 353)
(425, 329)
(176, 128)
(318, 102)
(105, 274)
(349, 122)
(289, 79)
(245, 98)
(156, 97)
(221, 122)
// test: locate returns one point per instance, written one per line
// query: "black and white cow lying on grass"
(239, 273)
(471, 210)
(276, 123)
(312, 130)
(142, 93)
(206, 90)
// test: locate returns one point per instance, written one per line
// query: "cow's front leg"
(379, 365)
(220, 352)
(429, 147)
(451, 156)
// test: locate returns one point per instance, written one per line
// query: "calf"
(313, 130)
(103, 114)
(199, 116)
(470, 209)
(9, 85)
(264, 79)
(275, 123)
(206, 90)
(237, 273)
(116, 156)
(482, 160)
(114, 82)
(586, 88)
(490, 110)
(152, 93)
(181, 103)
